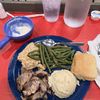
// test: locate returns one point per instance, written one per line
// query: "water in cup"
(76, 12)
(51, 9)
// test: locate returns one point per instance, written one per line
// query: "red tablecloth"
(84, 34)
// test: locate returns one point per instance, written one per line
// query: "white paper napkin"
(93, 49)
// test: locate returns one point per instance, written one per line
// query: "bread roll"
(84, 66)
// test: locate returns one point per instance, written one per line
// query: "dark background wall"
(36, 6)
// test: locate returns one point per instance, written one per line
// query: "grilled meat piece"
(37, 96)
(32, 86)
(41, 74)
(43, 86)
(22, 79)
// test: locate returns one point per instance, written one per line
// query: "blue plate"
(14, 70)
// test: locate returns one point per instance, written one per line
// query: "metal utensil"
(50, 42)
(95, 15)
(98, 49)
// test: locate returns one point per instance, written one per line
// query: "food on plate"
(27, 62)
(22, 79)
(84, 66)
(63, 83)
(53, 57)
(33, 85)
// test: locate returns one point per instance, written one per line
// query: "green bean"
(66, 51)
(62, 61)
(45, 59)
(62, 54)
(35, 57)
(65, 47)
(53, 66)
(65, 67)
(72, 54)
(41, 54)
(46, 53)
(53, 57)
(48, 60)
(32, 54)
(68, 55)
(65, 62)
(61, 66)
(61, 47)
(51, 54)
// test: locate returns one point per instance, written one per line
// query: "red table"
(84, 34)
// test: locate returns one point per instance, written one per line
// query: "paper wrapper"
(93, 49)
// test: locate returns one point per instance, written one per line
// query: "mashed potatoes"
(63, 83)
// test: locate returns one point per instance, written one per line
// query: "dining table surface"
(43, 28)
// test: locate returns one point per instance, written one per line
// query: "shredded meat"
(33, 85)
(37, 95)
(22, 79)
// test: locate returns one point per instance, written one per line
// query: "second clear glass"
(51, 9)
(76, 12)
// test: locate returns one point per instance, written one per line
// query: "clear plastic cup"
(76, 12)
(51, 9)
(3, 13)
